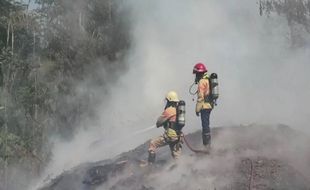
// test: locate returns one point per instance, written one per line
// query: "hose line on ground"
(195, 150)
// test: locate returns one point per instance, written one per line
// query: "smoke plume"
(262, 79)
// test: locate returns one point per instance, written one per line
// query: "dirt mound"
(242, 157)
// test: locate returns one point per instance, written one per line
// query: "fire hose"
(152, 127)
(194, 150)
(182, 136)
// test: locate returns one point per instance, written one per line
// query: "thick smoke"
(262, 79)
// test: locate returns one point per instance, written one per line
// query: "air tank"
(181, 114)
(214, 87)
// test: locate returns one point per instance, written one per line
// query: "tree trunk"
(28, 5)
(110, 11)
(6, 95)
(8, 34)
(12, 39)
(81, 21)
(35, 116)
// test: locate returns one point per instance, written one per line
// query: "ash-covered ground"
(242, 157)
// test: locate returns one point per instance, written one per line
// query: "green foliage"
(45, 54)
(13, 142)
(297, 12)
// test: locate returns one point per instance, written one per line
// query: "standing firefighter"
(172, 119)
(204, 103)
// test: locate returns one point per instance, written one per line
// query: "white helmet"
(172, 96)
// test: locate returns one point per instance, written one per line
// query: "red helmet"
(199, 68)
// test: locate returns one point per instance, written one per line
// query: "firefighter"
(204, 102)
(173, 133)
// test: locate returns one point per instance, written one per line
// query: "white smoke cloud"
(262, 79)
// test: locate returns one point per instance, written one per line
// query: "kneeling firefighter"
(207, 94)
(173, 120)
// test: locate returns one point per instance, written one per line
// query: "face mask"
(198, 77)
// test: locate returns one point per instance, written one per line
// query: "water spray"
(97, 142)
(143, 130)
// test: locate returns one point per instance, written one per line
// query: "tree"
(297, 14)
(45, 54)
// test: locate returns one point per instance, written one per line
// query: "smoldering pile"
(242, 157)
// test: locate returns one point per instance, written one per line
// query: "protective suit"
(171, 135)
(203, 93)
(204, 104)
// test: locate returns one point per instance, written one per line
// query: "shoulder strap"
(205, 76)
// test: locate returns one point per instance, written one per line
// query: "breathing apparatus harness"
(213, 85)
(180, 115)
(180, 123)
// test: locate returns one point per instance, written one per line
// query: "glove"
(199, 106)
(171, 133)
(197, 113)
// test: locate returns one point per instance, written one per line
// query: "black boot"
(151, 158)
(206, 139)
